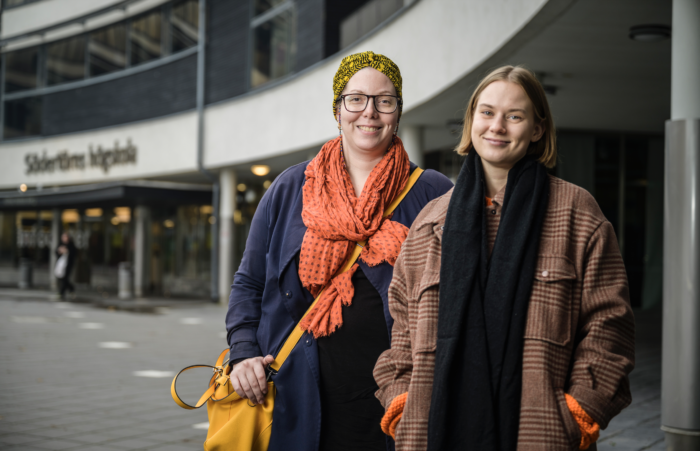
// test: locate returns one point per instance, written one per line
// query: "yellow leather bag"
(234, 423)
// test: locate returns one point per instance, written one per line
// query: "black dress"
(350, 413)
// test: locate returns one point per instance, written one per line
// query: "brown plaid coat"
(579, 336)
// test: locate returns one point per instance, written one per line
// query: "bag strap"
(298, 332)
(221, 368)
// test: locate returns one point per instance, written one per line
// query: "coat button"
(493, 212)
(288, 294)
(545, 273)
(308, 342)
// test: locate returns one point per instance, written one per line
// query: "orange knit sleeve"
(393, 414)
(589, 428)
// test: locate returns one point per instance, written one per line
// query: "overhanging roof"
(137, 192)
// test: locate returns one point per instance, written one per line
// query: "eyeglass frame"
(374, 102)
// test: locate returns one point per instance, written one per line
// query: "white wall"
(164, 146)
(435, 43)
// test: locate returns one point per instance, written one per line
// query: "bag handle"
(298, 332)
(221, 368)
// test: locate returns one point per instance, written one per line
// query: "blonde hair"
(545, 149)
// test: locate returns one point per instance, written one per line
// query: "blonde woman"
(513, 327)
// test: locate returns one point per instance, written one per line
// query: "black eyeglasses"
(357, 103)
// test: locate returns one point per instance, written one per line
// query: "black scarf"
(483, 306)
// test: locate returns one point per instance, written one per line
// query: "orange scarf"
(336, 219)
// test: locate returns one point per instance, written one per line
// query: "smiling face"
(368, 131)
(504, 125)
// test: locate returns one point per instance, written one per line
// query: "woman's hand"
(248, 378)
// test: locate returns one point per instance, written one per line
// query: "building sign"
(97, 157)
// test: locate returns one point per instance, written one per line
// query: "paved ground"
(78, 377)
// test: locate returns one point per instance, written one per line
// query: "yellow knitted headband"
(354, 63)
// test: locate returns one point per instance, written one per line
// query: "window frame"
(259, 20)
(26, 2)
(166, 56)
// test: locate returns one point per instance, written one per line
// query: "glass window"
(185, 25)
(8, 240)
(11, 3)
(274, 48)
(145, 38)
(107, 50)
(21, 69)
(264, 5)
(22, 117)
(65, 60)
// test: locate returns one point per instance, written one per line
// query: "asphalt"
(94, 374)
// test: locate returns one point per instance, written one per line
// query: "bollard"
(25, 273)
(125, 281)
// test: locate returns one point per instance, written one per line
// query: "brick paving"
(62, 389)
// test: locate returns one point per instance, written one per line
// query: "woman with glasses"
(304, 229)
(513, 322)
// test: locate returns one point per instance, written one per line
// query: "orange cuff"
(390, 420)
(589, 428)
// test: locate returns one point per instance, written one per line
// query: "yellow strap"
(298, 332)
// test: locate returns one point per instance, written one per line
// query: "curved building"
(149, 129)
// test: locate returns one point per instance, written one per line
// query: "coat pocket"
(550, 310)
(573, 433)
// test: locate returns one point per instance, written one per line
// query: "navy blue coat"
(267, 300)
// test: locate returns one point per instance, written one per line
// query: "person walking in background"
(513, 327)
(66, 253)
(304, 229)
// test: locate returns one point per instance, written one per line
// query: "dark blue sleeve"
(244, 304)
(437, 183)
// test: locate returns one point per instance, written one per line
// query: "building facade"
(150, 129)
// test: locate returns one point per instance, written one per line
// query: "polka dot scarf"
(336, 219)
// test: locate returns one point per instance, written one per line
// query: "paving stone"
(21, 448)
(133, 443)
(21, 439)
(56, 444)
(94, 402)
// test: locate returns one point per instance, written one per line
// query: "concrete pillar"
(680, 390)
(55, 238)
(141, 250)
(412, 137)
(227, 205)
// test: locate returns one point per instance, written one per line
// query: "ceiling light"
(650, 32)
(70, 216)
(267, 183)
(23, 187)
(260, 169)
(93, 212)
(123, 213)
(241, 187)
